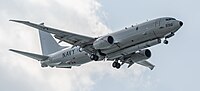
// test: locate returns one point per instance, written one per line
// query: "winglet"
(37, 26)
(151, 67)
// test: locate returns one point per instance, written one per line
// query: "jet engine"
(141, 55)
(103, 42)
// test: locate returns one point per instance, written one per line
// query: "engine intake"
(147, 53)
(110, 39)
(103, 42)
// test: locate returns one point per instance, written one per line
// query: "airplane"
(128, 45)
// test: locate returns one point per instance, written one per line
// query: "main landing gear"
(116, 64)
(94, 57)
(168, 36)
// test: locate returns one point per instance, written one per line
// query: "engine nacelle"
(141, 55)
(103, 42)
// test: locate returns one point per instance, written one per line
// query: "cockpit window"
(168, 19)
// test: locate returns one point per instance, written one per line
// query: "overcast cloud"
(19, 73)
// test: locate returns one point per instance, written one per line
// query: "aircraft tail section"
(48, 43)
(31, 55)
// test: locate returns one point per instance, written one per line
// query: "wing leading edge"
(84, 42)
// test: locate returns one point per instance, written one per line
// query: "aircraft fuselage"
(126, 41)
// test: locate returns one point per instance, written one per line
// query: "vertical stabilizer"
(48, 43)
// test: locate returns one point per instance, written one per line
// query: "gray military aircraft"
(124, 46)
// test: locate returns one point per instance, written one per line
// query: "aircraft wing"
(84, 42)
(146, 64)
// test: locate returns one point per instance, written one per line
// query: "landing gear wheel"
(116, 65)
(94, 57)
(44, 65)
(165, 42)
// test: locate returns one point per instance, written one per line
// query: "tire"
(118, 65)
(165, 42)
(114, 64)
(94, 57)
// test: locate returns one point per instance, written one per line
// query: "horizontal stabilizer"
(63, 67)
(66, 65)
(31, 55)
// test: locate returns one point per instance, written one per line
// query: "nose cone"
(180, 23)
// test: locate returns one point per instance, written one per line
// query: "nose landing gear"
(165, 41)
(168, 36)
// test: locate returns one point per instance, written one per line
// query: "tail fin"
(31, 55)
(48, 43)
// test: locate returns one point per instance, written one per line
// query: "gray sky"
(177, 64)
